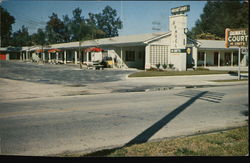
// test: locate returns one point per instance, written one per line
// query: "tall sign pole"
(238, 38)
(239, 64)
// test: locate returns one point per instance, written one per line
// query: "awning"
(54, 50)
(39, 50)
(93, 49)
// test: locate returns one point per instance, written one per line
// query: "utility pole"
(80, 56)
(239, 63)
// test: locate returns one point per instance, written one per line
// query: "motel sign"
(239, 38)
(236, 37)
(180, 10)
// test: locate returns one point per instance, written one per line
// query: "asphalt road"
(87, 123)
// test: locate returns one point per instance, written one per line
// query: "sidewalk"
(20, 90)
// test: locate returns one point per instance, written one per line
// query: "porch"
(223, 58)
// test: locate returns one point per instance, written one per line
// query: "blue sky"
(137, 16)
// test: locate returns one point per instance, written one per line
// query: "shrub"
(158, 65)
(164, 66)
(171, 65)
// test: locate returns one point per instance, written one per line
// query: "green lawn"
(180, 73)
(232, 142)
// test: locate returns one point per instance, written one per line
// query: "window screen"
(158, 54)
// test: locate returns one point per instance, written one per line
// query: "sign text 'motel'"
(236, 37)
(179, 10)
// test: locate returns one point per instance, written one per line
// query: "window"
(201, 56)
(158, 54)
(130, 56)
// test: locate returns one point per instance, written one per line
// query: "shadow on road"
(143, 137)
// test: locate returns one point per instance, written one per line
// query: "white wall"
(162, 41)
(96, 56)
(177, 23)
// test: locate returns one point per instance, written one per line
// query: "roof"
(125, 40)
(213, 44)
(140, 39)
(130, 40)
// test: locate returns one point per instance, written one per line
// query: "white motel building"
(142, 51)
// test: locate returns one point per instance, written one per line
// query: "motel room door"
(216, 55)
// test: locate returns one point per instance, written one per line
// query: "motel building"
(142, 51)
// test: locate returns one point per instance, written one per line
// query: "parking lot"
(57, 74)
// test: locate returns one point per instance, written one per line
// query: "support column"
(244, 60)
(21, 57)
(43, 56)
(121, 58)
(7, 56)
(75, 57)
(65, 57)
(49, 57)
(195, 56)
(56, 57)
(27, 55)
(239, 64)
(147, 57)
(232, 58)
(87, 54)
(23, 54)
(219, 59)
(205, 59)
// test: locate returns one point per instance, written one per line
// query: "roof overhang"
(157, 37)
(224, 49)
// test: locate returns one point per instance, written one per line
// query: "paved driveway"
(58, 74)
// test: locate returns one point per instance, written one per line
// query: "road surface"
(48, 126)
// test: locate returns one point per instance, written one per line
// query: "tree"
(79, 27)
(84, 29)
(219, 15)
(55, 30)
(39, 38)
(95, 32)
(67, 35)
(6, 21)
(106, 21)
(21, 37)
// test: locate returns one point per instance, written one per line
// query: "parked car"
(107, 62)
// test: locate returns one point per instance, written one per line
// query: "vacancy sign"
(236, 37)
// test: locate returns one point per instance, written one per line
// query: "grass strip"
(232, 142)
(231, 80)
(179, 73)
